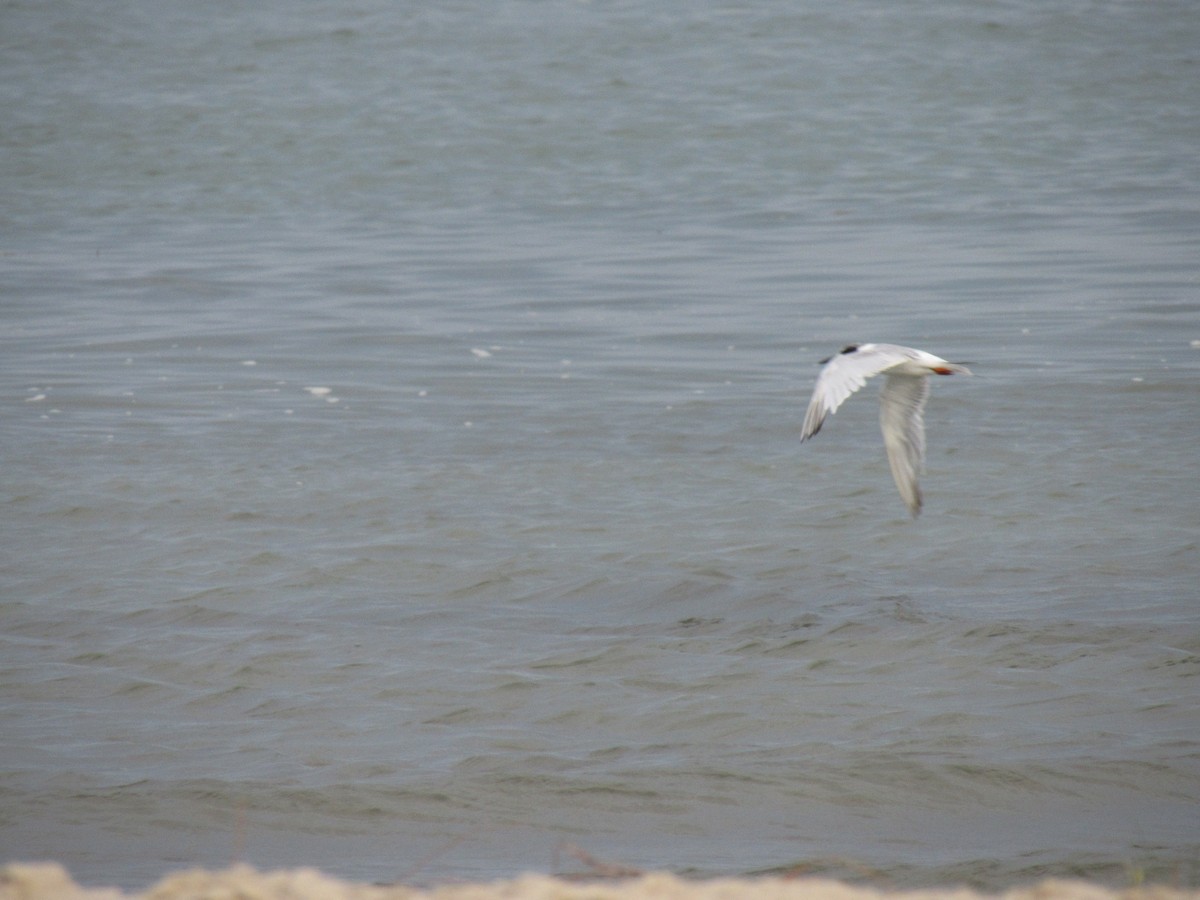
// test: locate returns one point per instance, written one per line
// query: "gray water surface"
(400, 437)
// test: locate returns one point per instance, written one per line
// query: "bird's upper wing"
(843, 375)
(901, 416)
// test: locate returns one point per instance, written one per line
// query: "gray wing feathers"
(901, 416)
(842, 376)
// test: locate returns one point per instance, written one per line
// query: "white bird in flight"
(901, 403)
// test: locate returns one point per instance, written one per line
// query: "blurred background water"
(400, 431)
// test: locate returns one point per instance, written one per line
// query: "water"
(400, 437)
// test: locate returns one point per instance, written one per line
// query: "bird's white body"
(902, 402)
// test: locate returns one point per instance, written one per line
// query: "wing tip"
(813, 420)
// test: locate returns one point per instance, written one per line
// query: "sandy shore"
(49, 881)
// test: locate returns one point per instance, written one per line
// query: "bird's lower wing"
(902, 418)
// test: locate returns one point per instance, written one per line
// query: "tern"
(902, 402)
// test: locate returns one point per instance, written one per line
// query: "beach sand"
(50, 881)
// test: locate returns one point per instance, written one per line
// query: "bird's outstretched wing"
(844, 374)
(902, 419)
